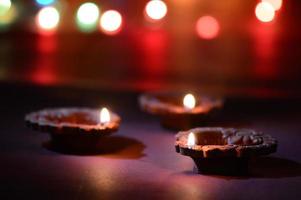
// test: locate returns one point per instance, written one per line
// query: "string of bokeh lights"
(89, 17)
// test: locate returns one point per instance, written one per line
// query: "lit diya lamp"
(223, 150)
(178, 111)
(75, 128)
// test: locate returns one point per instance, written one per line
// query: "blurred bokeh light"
(4, 6)
(8, 16)
(275, 3)
(111, 22)
(155, 10)
(207, 27)
(45, 2)
(162, 42)
(265, 12)
(87, 17)
(48, 19)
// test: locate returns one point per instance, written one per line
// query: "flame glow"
(191, 140)
(104, 116)
(189, 101)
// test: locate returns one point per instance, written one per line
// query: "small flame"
(104, 116)
(191, 140)
(189, 101)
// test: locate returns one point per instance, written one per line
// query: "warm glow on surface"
(265, 12)
(48, 18)
(104, 116)
(4, 6)
(275, 3)
(156, 9)
(110, 22)
(189, 101)
(87, 16)
(191, 140)
(207, 27)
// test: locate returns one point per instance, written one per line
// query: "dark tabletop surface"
(140, 160)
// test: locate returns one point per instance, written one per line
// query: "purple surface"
(144, 164)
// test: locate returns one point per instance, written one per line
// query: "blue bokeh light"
(45, 2)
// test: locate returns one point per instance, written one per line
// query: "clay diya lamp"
(223, 151)
(74, 128)
(179, 111)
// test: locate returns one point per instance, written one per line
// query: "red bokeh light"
(44, 71)
(265, 51)
(151, 46)
(207, 27)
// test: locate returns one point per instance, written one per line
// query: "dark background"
(144, 55)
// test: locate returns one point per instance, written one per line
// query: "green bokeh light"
(87, 17)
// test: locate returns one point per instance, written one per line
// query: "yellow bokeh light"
(156, 9)
(110, 22)
(265, 12)
(8, 18)
(4, 6)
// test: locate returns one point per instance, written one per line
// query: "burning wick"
(191, 140)
(189, 101)
(104, 116)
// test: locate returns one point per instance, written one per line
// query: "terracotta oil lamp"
(225, 151)
(180, 111)
(77, 128)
